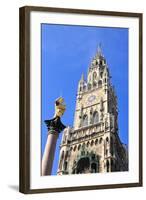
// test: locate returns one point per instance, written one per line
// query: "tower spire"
(82, 78)
(99, 50)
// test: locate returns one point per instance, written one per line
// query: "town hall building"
(93, 144)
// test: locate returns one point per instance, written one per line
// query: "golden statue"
(60, 107)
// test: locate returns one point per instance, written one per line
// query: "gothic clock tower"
(93, 145)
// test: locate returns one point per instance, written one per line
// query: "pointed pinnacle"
(99, 50)
(82, 77)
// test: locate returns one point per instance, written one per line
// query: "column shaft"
(49, 152)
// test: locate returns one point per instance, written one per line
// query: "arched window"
(91, 116)
(65, 165)
(100, 83)
(79, 146)
(107, 140)
(93, 168)
(66, 155)
(94, 76)
(94, 84)
(107, 166)
(83, 165)
(88, 143)
(92, 142)
(95, 117)
(74, 147)
(85, 120)
(96, 141)
(106, 152)
(100, 141)
(84, 87)
(101, 74)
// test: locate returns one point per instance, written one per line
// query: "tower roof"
(98, 56)
(99, 53)
(99, 50)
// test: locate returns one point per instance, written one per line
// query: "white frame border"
(39, 182)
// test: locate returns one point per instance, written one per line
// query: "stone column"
(48, 157)
(54, 126)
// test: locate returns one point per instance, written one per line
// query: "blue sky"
(66, 53)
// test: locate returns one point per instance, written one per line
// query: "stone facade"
(93, 144)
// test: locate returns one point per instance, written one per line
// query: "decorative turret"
(82, 84)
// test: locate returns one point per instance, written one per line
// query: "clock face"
(91, 98)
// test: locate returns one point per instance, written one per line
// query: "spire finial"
(99, 49)
(82, 77)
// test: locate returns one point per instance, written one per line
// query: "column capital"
(55, 125)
